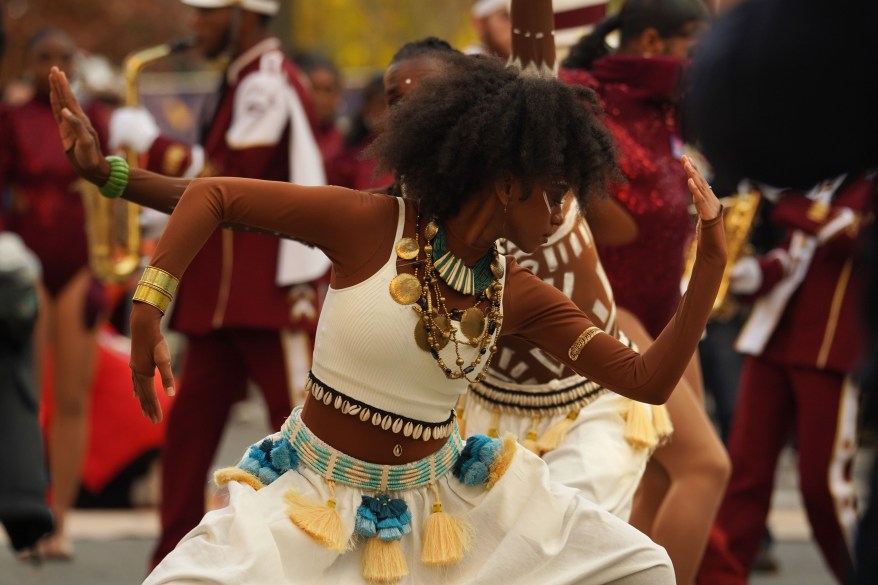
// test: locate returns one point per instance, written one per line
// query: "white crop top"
(365, 348)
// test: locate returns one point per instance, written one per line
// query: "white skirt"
(594, 458)
(526, 529)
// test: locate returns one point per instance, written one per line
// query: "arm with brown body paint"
(330, 218)
(542, 314)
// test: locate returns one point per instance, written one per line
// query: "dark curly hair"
(421, 47)
(480, 122)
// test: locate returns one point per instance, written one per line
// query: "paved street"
(112, 547)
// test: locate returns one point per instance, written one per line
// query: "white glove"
(133, 128)
(745, 277)
(16, 257)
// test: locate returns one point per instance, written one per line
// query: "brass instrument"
(114, 224)
(739, 212)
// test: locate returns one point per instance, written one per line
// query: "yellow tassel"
(639, 430)
(530, 441)
(321, 522)
(446, 538)
(495, 424)
(661, 421)
(555, 435)
(501, 464)
(223, 476)
(383, 562)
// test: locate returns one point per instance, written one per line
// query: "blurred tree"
(366, 33)
(356, 33)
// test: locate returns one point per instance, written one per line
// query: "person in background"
(774, 140)
(866, 570)
(802, 340)
(250, 311)
(591, 439)
(412, 63)
(45, 209)
(643, 233)
(326, 92)
(353, 167)
(24, 510)
(491, 21)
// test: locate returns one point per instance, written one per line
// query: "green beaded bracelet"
(118, 180)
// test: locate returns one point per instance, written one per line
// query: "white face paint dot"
(408, 80)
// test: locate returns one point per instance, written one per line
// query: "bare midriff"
(362, 440)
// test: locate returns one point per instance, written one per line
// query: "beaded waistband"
(333, 465)
(570, 394)
(540, 400)
(388, 421)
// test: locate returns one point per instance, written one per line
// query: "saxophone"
(739, 212)
(113, 225)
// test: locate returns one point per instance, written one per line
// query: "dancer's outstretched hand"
(706, 203)
(78, 136)
(148, 352)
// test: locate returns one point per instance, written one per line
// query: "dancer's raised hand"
(706, 202)
(80, 140)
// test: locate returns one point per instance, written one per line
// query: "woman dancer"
(644, 254)
(371, 476)
(46, 211)
(592, 439)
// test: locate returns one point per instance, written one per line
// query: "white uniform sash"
(769, 308)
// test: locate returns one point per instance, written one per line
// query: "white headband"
(483, 8)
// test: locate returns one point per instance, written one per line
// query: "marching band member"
(249, 310)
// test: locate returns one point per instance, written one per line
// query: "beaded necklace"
(433, 330)
(458, 275)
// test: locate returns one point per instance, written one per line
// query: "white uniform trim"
(768, 310)
(265, 103)
(260, 115)
(844, 448)
(845, 218)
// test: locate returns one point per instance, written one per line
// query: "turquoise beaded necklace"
(459, 276)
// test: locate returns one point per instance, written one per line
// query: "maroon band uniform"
(235, 316)
(803, 341)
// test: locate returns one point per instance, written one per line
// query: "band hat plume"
(482, 8)
(259, 6)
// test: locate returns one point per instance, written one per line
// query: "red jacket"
(821, 324)
(231, 282)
